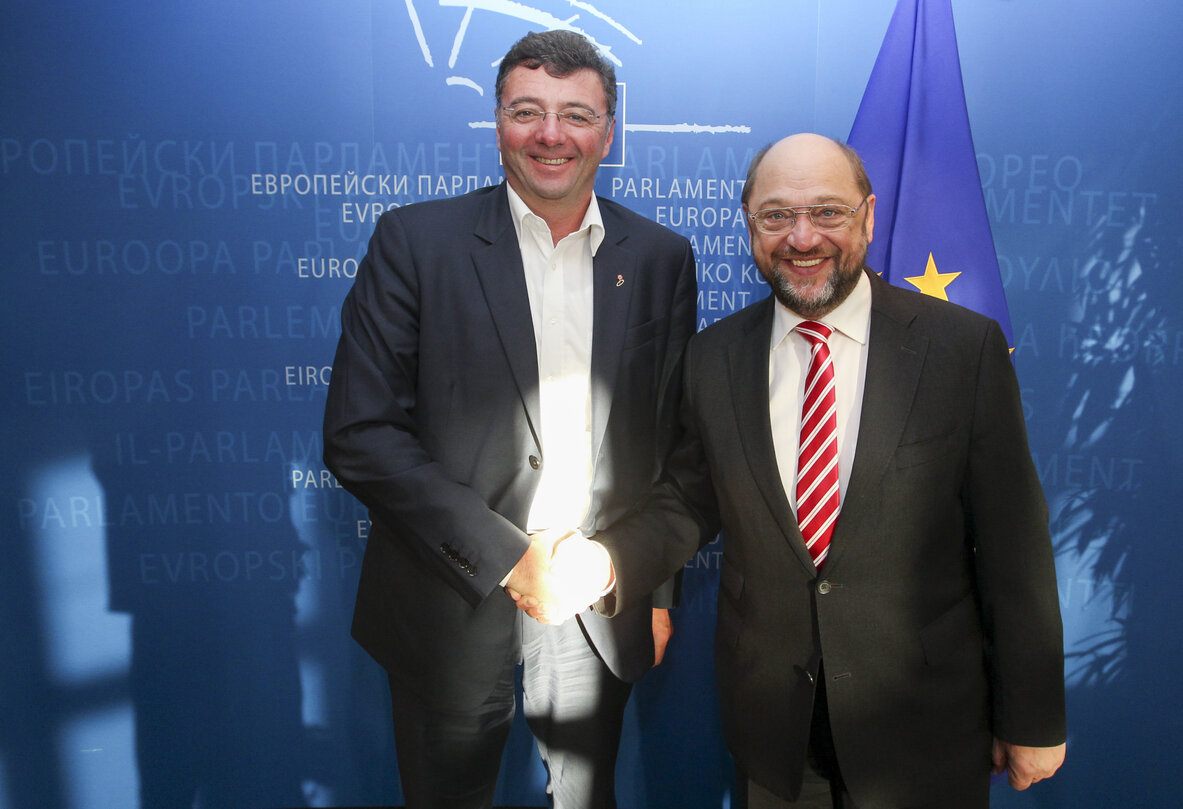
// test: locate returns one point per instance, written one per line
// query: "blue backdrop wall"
(187, 189)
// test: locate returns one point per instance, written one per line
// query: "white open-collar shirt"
(559, 284)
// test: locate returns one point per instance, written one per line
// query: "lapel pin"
(620, 280)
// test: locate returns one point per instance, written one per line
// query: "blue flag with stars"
(912, 132)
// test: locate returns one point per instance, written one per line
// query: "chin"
(809, 301)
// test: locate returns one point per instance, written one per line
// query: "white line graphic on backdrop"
(538, 16)
(459, 40)
(453, 81)
(418, 26)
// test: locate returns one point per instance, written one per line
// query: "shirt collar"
(523, 217)
(852, 317)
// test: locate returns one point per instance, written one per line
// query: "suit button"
(823, 587)
(535, 462)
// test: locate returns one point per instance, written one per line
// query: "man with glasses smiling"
(504, 387)
(888, 618)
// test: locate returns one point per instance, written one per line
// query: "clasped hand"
(1025, 766)
(561, 574)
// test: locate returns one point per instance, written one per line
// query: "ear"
(747, 220)
(869, 227)
(608, 139)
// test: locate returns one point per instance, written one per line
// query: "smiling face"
(552, 166)
(810, 271)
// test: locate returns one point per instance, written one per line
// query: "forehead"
(804, 173)
(579, 89)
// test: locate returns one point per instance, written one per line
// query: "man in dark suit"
(507, 375)
(916, 642)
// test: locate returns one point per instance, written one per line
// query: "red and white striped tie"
(817, 457)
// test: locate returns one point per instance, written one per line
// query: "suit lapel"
(895, 358)
(613, 281)
(498, 264)
(748, 378)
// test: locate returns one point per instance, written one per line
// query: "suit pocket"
(955, 638)
(645, 332)
(953, 685)
(927, 450)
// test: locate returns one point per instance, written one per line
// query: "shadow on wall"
(171, 640)
(1107, 495)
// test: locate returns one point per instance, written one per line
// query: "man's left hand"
(580, 571)
(1026, 765)
(663, 628)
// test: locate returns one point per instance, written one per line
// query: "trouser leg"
(574, 705)
(450, 759)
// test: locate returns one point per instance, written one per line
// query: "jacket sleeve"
(1014, 561)
(683, 323)
(372, 441)
(679, 516)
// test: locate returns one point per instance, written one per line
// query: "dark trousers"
(822, 785)
(573, 705)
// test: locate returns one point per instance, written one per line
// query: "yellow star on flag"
(932, 282)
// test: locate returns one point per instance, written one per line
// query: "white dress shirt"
(788, 362)
(559, 283)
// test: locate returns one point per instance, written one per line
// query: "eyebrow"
(566, 105)
(828, 199)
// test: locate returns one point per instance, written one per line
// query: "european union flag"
(912, 132)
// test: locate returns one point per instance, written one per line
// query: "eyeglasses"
(775, 221)
(530, 116)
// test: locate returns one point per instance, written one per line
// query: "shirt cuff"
(611, 569)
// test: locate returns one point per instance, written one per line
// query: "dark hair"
(856, 165)
(757, 159)
(561, 53)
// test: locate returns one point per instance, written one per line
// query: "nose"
(804, 236)
(550, 130)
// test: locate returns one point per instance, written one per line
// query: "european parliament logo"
(450, 40)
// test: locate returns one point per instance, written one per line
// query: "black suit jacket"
(937, 612)
(432, 422)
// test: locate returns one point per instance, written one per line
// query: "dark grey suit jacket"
(432, 421)
(937, 612)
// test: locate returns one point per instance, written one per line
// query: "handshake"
(561, 574)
